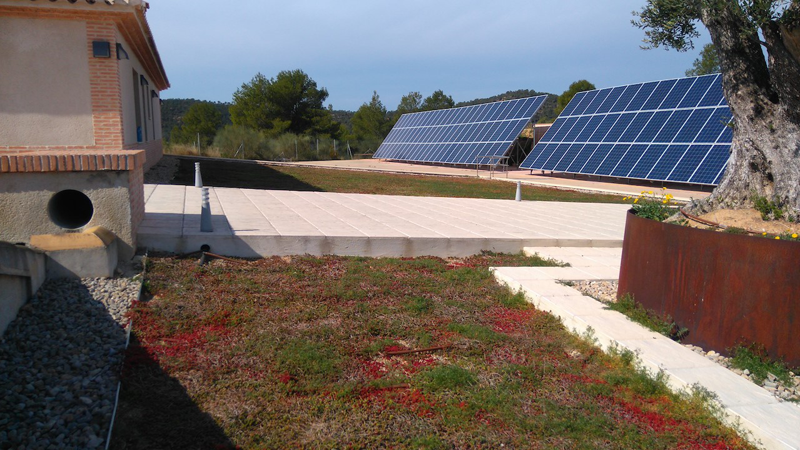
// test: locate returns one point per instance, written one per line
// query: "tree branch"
(784, 70)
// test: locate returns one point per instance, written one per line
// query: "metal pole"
(296, 155)
(519, 192)
(317, 148)
(205, 213)
(198, 179)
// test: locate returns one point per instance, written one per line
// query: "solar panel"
(672, 130)
(465, 135)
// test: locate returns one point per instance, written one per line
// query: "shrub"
(648, 318)
(768, 209)
(755, 359)
(253, 143)
(654, 206)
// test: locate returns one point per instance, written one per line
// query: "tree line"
(284, 117)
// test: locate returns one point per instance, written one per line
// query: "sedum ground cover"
(306, 352)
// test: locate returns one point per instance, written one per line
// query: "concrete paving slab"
(547, 288)
(251, 223)
(732, 389)
(615, 325)
(575, 305)
(760, 420)
(666, 354)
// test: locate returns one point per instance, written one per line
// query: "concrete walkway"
(253, 223)
(525, 176)
(775, 423)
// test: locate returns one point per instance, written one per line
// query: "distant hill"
(173, 110)
(547, 113)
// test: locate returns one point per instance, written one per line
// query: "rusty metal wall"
(726, 289)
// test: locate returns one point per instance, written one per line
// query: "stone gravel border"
(59, 364)
(128, 331)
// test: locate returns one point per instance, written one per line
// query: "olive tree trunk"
(764, 97)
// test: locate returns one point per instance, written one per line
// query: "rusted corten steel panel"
(725, 289)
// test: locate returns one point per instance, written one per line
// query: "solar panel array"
(673, 130)
(465, 135)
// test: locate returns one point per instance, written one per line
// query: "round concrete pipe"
(70, 209)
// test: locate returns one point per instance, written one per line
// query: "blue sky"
(468, 48)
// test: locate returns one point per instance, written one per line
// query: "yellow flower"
(636, 201)
(651, 192)
(663, 188)
(794, 236)
(778, 238)
(664, 202)
(624, 198)
(764, 233)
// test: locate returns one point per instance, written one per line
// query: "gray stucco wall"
(24, 198)
(45, 96)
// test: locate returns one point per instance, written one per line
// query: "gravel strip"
(776, 387)
(606, 291)
(59, 361)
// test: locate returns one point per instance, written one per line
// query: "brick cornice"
(70, 161)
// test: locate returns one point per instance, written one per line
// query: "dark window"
(138, 108)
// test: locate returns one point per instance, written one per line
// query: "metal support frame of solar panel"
(672, 130)
(464, 135)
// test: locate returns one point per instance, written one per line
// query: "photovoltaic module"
(465, 135)
(673, 130)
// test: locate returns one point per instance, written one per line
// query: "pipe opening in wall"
(70, 209)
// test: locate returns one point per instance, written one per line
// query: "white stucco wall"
(126, 67)
(45, 97)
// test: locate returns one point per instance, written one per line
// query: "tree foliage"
(569, 94)
(706, 64)
(412, 102)
(173, 110)
(250, 107)
(763, 93)
(370, 121)
(202, 119)
(289, 102)
(438, 100)
(235, 137)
